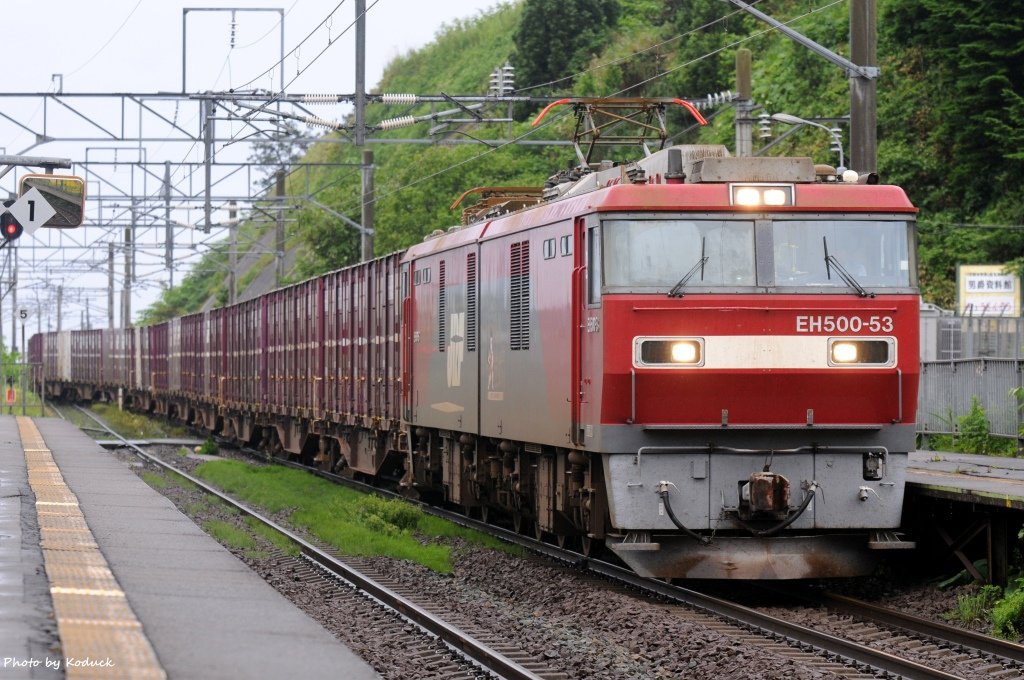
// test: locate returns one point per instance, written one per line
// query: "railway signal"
(9, 226)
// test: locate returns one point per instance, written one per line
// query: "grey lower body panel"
(782, 557)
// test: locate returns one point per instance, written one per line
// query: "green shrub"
(974, 607)
(974, 429)
(1008, 614)
(388, 516)
(209, 448)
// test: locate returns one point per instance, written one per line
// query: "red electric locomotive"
(708, 363)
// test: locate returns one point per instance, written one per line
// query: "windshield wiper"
(677, 290)
(847, 277)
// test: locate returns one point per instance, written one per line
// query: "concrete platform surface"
(989, 480)
(205, 613)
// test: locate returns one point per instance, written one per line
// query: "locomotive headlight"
(861, 352)
(751, 195)
(747, 196)
(666, 352)
(686, 352)
(844, 352)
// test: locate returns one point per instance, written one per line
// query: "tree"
(558, 39)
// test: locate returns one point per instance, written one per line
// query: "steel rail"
(490, 659)
(769, 626)
(848, 651)
(919, 626)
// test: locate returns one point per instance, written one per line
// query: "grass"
(974, 607)
(229, 534)
(354, 523)
(155, 479)
(134, 424)
(272, 536)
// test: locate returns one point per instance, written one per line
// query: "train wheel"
(538, 533)
(485, 514)
(590, 546)
(517, 522)
(563, 540)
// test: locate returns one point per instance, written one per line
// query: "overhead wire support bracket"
(852, 69)
(463, 106)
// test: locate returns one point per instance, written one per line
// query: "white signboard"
(987, 290)
(31, 210)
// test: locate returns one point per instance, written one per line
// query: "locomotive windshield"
(656, 253)
(648, 255)
(874, 252)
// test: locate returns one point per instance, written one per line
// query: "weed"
(209, 448)
(390, 516)
(973, 435)
(229, 534)
(282, 542)
(342, 518)
(183, 452)
(1008, 614)
(155, 479)
(975, 607)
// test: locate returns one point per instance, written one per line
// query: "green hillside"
(949, 99)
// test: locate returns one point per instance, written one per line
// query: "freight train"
(708, 364)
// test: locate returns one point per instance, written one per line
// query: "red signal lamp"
(10, 227)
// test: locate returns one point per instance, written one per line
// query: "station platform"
(101, 576)
(969, 501)
(987, 480)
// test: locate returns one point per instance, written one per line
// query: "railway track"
(476, 654)
(855, 653)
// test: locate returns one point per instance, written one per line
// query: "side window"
(565, 245)
(594, 265)
(549, 248)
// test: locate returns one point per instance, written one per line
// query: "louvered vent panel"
(519, 326)
(471, 302)
(442, 312)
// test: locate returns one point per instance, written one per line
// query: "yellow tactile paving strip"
(100, 636)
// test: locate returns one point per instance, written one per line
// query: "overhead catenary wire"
(383, 194)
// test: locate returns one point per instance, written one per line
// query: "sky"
(135, 46)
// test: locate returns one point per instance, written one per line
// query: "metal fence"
(947, 337)
(948, 387)
(967, 357)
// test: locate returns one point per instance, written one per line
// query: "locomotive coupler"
(764, 494)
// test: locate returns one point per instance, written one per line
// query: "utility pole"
(14, 296)
(232, 261)
(168, 228)
(60, 307)
(366, 238)
(863, 43)
(744, 104)
(863, 91)
(208, 139)
(279, 231)
(360, 93)
(126, 293)
(110, 285)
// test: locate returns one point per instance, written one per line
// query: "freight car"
(707, 363)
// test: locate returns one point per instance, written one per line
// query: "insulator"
(764, 126)
(322, 122)
(392, 123)
(321, 98)
(399, 98)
